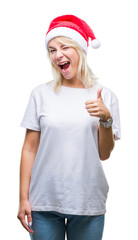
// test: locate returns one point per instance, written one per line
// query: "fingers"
(94, 114)
(29, 218)
(91, 105)
(21, 217)
(23, 222)
(93, 110)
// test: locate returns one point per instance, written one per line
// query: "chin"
(69, 77)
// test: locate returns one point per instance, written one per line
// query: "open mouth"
(64, 66)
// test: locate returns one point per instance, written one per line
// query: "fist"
(97, 108)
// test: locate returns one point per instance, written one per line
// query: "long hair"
(84, 72)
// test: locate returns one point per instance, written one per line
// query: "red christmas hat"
(74, 28)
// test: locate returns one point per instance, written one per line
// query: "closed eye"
(51, 51)
(65, 47)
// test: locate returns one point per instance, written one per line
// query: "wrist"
(105, 118)
(107, 123)
(23, 198)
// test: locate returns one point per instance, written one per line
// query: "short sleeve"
(114, 110)
(30, 119)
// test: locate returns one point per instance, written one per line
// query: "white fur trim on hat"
(67, 32)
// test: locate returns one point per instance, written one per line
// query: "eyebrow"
(50, 47)
(60, 46)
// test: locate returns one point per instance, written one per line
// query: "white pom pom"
(95, 43)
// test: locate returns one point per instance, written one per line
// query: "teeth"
(63, 63)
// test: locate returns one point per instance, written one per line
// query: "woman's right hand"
(25, 209)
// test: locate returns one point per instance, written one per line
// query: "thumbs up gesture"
(97, 107)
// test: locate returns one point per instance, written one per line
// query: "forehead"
(54, 43)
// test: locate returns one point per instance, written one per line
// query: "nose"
(59, 54)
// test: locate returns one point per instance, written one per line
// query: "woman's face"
(64, 58)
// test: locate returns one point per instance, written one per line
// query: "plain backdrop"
(24, 65)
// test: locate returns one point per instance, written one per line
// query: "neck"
(72, 83)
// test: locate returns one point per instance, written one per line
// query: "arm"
(105, 142)
(28, 155)
(29, 151)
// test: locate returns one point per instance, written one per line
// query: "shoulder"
(41, 89)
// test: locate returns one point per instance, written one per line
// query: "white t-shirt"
(67, 174)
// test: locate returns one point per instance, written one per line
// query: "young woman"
(72, 123)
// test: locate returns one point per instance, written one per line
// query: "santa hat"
(74, 28)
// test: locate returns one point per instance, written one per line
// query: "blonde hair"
(85, 73)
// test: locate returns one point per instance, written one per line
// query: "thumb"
(99, 96)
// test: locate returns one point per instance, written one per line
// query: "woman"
(72, 123)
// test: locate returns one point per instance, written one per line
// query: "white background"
(23, 62)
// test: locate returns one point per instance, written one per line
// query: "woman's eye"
(51, 51)
(65, 47)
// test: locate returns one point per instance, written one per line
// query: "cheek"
(75, 58)
(53, 61)
(76, 63)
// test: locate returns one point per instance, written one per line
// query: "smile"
(64, 66)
